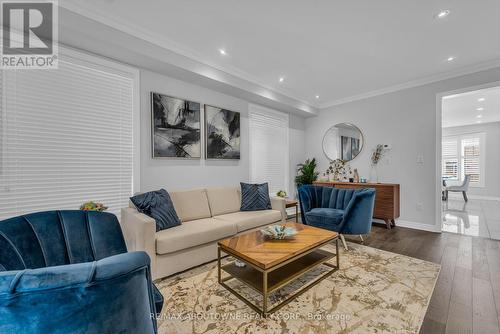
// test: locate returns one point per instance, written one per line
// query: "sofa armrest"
(278, 203)
(140, 234)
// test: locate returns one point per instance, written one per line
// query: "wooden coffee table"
(272, 264)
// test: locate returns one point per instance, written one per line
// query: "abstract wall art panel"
(175, 127)
(222, 133)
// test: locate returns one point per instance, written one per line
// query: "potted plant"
(307, 173)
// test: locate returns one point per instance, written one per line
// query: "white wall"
(406, 120)
(173, 174)
(492, 156)
(297, 144)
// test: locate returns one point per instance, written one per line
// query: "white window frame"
(482, 156)
(286, 168)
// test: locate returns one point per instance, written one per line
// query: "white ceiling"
(331, 48)
(461, 109)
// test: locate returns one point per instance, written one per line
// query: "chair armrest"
(359, 213)
(139, 231)
(305, 201)
(278, 203)
(115, 292)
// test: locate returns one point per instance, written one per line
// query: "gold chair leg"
(343, 242)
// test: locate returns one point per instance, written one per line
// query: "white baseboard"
(418, 226)
(457, 195)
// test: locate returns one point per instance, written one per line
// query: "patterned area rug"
(373, 292)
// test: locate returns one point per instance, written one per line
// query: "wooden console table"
(386, 198)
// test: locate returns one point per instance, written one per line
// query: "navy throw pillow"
(158, 205)
(255, 197)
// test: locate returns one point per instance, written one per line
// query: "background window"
(450, 161)
(471, 159)
(464, 155)
(67, 136)
(269, 149)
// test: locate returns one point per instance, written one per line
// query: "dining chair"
(463, 188)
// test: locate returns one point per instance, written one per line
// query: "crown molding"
(168, 44)
(415, 83)
(182, 50)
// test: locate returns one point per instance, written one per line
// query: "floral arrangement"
(92, 206)
(377, 154)
(281, 193)
(339, 169)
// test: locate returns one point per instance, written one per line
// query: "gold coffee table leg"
(264, 293)
(337, 252)
(219, 278)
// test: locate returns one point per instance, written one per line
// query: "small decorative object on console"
(355, 175)
(93, 206)
(278, 232)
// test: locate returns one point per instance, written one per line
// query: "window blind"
(66, 138)
(450, 161)
(269, 149)
(471, 152)
(464, 155)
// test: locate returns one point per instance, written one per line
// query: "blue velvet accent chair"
(346, 211)
(70, 272)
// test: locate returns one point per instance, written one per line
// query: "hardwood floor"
(467, 294)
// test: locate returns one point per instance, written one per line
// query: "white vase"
(374, 174)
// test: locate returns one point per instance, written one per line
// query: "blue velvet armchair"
(346, 211)
(69, 272)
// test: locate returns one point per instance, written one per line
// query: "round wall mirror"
(343, 141)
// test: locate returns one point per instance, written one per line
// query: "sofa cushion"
(246, 220)
(158, 205)
(224, 200)
(255, 197)
(191, 204)
(193, 233)
(324, 217)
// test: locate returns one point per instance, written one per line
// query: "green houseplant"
(307, 173)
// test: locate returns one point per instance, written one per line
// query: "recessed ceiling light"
(481, 99)
(222, 52)
(480, 109)
(450, 59)
(317, 96)
(281, 79)
(443, 13)
(478, 122)
(479, 116)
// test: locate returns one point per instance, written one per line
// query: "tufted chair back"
(347, 211)
(325, 197)
(54, 238)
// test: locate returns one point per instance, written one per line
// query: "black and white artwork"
(176, 127)
(222, 133)
(354, 147)
(346, 148)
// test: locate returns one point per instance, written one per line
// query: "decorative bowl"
(278, 232)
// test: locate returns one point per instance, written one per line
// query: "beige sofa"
(207, 215)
